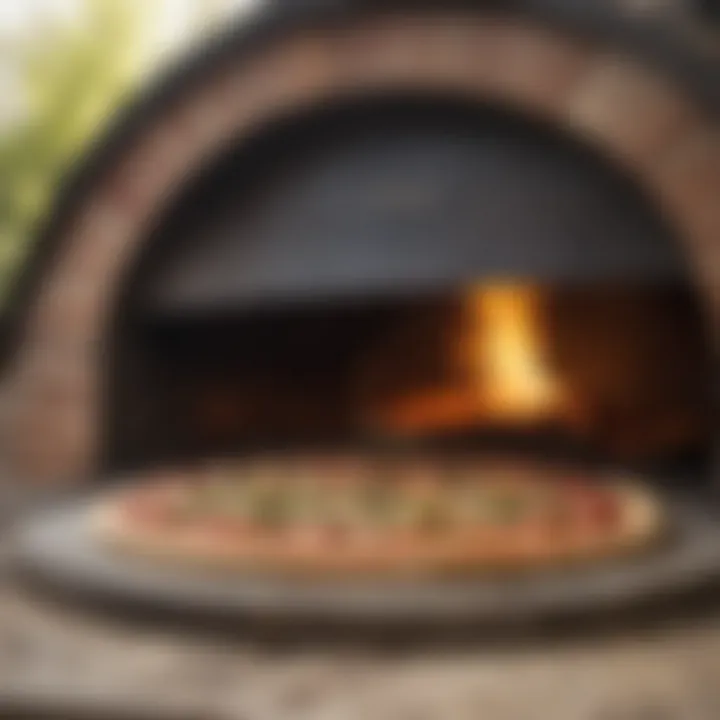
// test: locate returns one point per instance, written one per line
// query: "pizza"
(345, 516)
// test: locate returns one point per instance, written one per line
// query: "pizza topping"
(430, 507)
(600, 509)
(271, 509)
(468, 512)
(434, 516)
(380, 503)
(219, 497)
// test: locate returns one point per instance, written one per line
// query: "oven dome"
(383, 195)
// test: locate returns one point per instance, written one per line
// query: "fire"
(505, 344)
(500, 360)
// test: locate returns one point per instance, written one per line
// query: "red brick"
(632, 111)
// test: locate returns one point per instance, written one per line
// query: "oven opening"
(409, 275)
(609, 374)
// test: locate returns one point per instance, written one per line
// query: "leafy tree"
(72, 77)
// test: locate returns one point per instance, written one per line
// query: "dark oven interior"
(405, 274)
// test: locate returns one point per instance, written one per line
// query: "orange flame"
(506, 380)
(505, 346)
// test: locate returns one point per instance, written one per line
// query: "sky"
(19, 16)
(21, 19)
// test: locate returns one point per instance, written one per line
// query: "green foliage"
(73, 77)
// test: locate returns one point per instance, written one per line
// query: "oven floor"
(51, 657)
(58, 658)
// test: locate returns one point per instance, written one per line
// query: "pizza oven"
(398, 226)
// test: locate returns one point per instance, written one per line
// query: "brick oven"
(393, 224)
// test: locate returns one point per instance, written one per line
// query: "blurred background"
(65, 67)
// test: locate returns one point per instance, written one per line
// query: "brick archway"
(649, 127)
